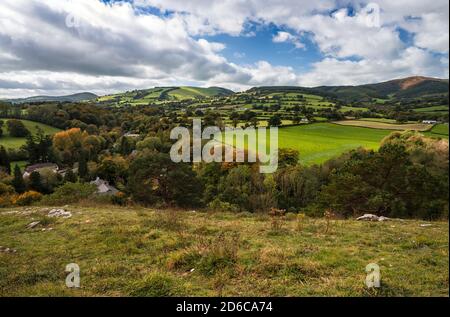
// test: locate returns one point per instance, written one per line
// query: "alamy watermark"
(232, 145)
(373, 275)
(73, 278)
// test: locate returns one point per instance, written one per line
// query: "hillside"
(163, 94)
(11, 142)
(84, 96)
(410, 87)
(145, 252)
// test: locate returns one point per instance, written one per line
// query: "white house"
(103, 187)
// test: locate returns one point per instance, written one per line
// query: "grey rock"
(33, 224)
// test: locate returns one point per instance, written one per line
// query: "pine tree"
(35, 182)
(18, 182)
(5, 163)
(82, 167)
(70, 177)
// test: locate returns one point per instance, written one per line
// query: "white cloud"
(281, 37)
(115, 47)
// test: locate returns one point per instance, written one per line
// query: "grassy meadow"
(12, 142)
(144, 252)
(319, 142)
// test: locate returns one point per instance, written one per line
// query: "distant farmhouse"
(39, 167)
(103, 187)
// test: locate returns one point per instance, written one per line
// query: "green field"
(10, 142)
(322, 141)
(319, 142)
(135, 251)
(439, 130)
(432, 109)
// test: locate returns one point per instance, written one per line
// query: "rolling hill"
(410, 87)
(161, 94)
(83, 96)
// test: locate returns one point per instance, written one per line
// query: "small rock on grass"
(33, 224)
(59, 213)
(372, 217)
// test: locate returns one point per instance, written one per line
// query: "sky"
(58, 47)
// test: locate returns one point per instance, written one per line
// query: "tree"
(5, 163)
(36, 182)
(113, 169)
(275, 121)
(70, 177)
(16, 128)
(153, 177)
(18, 182)
(82, 166)
(39, 147)
(69, 144)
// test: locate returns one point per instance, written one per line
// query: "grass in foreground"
(144, 252)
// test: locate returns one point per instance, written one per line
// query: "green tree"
(5, 163)
(36, 182)
(16, 128)
(275, 121)
(82, 167)
(70, 177)
(153, 177)
(18, 182)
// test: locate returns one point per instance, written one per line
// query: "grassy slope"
(10, 142)
(152, 95)
(322, 141)
(134, 251)
(439, 130)
(319, 142)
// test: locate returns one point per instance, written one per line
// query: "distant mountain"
(410, 87)
(84, 96)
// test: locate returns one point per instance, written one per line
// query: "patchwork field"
(439, 130)
(143, 252)
(11, 142)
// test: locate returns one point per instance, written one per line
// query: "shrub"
(218, 205)
(119, 198)
(27, 198)
(6, 189)
(5, 200)
(70, 193)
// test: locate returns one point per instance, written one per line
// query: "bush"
(5, 200)
(218, 205)
(70, 193)
(6, 189)
(119, 198)
(27, 198)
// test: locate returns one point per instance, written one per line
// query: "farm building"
(103, 187)
(39, 167)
